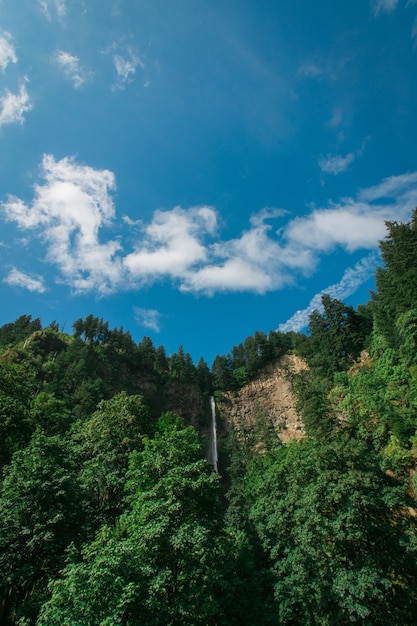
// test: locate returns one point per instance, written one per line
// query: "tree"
(162, 563)
(147, 353)
(204, 377)
(338, 534)
(161, 361)
(17, 387)
(74, 378)
(40, 514)
(105, 441)
(396, 281)
(49, 414)
(94, 330)
(222, 374)
(19, 330)
(336, 337)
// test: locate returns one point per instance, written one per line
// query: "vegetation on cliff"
(109, 513)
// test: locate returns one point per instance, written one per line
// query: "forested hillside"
(110, 513)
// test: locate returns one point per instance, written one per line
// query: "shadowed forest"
(110, 513)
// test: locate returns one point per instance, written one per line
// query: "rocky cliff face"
(266, 405)
(259, 411)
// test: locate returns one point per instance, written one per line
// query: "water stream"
(212, 455)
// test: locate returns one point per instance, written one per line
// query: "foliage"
(161, 564)
(40, 514)
(19, 330)
(17, 387)
(336, 337)
(245, 360)
(123, 518)
(337, 532)
(396, 281)
(105, 441)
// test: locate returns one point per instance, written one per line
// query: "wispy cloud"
(7, 51)
(336, 119)
(352, 279)
(59, 6)
(126, 60)
(149, 318)
(310, 70)
(383, 6)
(414, 31)
(336, 163)
(73, 207)
(71, 67)
(19, 279)
(14, 106)
(126, 67)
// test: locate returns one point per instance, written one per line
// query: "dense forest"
(110, 513)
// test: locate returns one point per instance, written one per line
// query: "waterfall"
(213, 456)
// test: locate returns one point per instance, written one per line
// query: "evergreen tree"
(337, 337)
(19, 330)
(396, 281)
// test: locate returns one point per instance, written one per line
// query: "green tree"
(49, 414)
(162, 563)
(222, 374)
(337, 336)
(94, 330)
(105, 441)
(17, 388)
(337, 532)
(378, 398)
(204, 377)
(146, 354)
(397, 279)
(161, 361)
(19, 330)
(40, 514)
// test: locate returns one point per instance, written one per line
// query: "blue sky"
(196, 170)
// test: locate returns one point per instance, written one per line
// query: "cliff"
(266, 405)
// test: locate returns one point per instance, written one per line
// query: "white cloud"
(72, 208)
(7, 51)
(352, 226)
(352, 279)
(58, 5)
(126, 64)
(336, 164)
(19, 279)
(14, 106)
(383, 6)
(67, 212)
(253, 262)
(172, 243)
(395, 188)
(126, 60)
(149, 318)
(70, 66)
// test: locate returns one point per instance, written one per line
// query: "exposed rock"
(266, 403)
